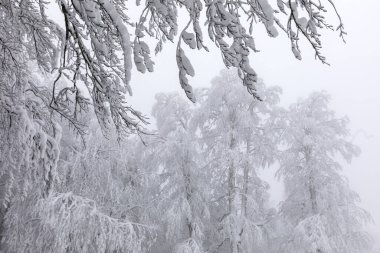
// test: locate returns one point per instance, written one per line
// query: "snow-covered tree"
(321, 209)
(29, 151)
(88, 62)
(182, 186)
(99, 41)
(94, 204)
(64, 222)
(235, 130)
(103, 170)
(85, 51)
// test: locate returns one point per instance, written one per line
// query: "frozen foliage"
(93, 48)
(177, 162)
(192, 187)
(69, 223)
(29, 154)
(104, 171)
(210, 197)
(29, 151)
(236, 130)
(224, 26)
(99, 42)
(320, 208)
(188, 246)
(34, 217)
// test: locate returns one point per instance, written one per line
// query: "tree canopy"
(99, 43)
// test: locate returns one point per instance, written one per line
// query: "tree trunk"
(233, 198)
(312, 191)
(188, 189)
(244, 205)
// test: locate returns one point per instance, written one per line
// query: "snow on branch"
(29, 153)
(98, 41)
(65, 222)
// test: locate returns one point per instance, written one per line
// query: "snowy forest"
(83, 170)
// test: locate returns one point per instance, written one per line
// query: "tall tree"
(178, 166)
(321, 209)
(234, 129)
